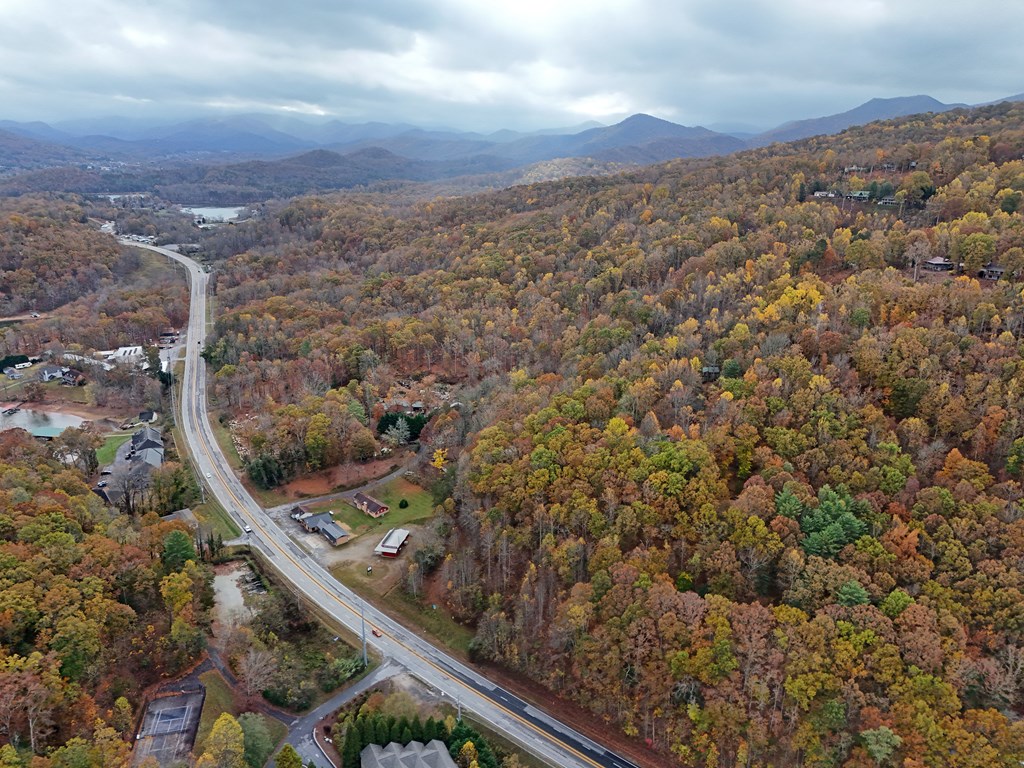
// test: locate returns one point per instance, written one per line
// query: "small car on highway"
(376, 632)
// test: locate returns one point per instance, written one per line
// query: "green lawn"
(278, 730)
(441, 627)
(220, 699)
(57, 391)
(421, 507)
(375, 586)
(105, 453)
(212, 514)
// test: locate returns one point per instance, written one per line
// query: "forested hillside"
(50, 255)
(94, 606)
(730, 477)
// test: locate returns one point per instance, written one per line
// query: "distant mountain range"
(868, 112)
(235, 152)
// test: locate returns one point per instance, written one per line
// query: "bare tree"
(132, 485)
(257, 669)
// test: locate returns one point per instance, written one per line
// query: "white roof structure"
(392, 543)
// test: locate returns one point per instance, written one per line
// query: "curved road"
(522, 723)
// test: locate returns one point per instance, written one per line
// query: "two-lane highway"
(522, 723)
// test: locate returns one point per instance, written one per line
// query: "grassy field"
(220, 699)
(105, 453)
(421, 507)
(212, 514)
(57, 391)
(437, 624)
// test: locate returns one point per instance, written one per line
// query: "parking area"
(169, 728)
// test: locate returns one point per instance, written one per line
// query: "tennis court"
(169, 727)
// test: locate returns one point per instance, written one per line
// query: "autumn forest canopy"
(732, 468)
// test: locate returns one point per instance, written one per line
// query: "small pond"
(39, 423)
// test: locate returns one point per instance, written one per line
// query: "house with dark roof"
(147, 437)
(72, 377)
(991, 272)
(298, 511)
(147, 417)
(369, 505)
(333, 532)
(938, 264)
(415, 754)
(320, 522)
(110, 494)
(154, 457)
(312, 522)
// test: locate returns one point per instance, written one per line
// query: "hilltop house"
(991, 272)
(369, 505)
(938, 264)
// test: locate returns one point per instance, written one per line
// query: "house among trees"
(991, 272)
(147, 417)
(860, 194)
(72, 377)
(938, 264)
(111, 495)
(392, 543)
(412, 755)
(369, 505)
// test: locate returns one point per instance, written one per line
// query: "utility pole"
(362, 627)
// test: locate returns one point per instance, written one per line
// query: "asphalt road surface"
(520, 722)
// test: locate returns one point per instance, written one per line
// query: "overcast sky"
(486, 64)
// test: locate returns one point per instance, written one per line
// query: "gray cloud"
(522, 64)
